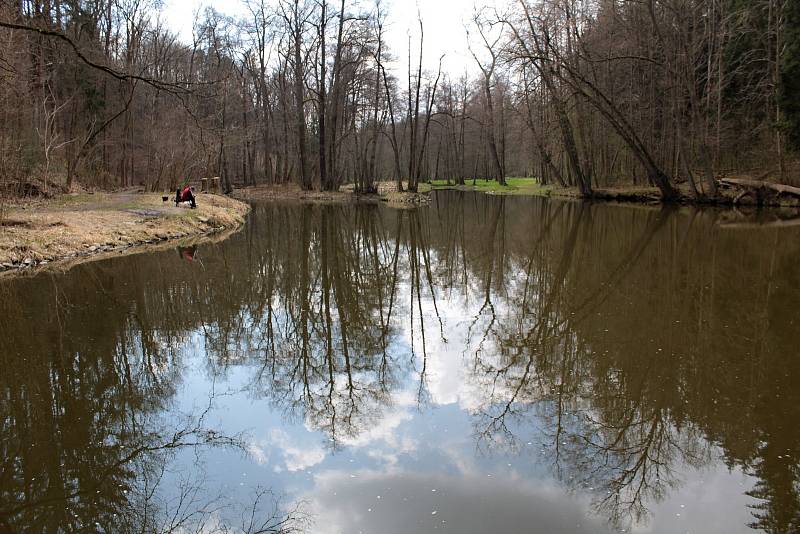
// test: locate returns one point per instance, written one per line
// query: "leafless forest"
(586, 94)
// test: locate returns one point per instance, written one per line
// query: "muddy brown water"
(482, 364)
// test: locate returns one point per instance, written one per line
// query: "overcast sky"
(443, 21)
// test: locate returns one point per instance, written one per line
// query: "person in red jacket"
(185, 195)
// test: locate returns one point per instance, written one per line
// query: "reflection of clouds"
(388, 460)
(295, 457)
(415, 502)
(258, 453)
(712, 501)
(383, 442)
(385, 429)
(449, 362)
(471, 502)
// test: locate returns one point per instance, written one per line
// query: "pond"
(482, 364)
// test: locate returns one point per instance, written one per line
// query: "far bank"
(731, 192)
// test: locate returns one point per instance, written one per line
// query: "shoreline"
(62, 232)
(386, 194)
(71, 229)
(730, 196)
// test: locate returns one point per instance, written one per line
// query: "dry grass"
(78, 225)
(291, 192)
(387, 192)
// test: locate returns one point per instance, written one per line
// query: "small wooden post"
(215, 184)
(204, 185)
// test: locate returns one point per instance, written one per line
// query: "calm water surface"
(484, 364)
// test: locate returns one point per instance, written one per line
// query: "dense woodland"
(667, 93)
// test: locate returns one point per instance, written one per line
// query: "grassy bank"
(387, 193)
(740, 191)
(69, 227)
(532, 187)
(729, 194)
(514, 186)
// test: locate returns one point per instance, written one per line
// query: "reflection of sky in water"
(422, 469)
(624, 350)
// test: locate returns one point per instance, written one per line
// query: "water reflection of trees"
(90, 364)
(323, 315)
(639, 341)
(320, 328)
(642, 339)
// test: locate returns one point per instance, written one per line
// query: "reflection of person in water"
(188, 253)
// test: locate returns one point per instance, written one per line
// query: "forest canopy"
(104, 94)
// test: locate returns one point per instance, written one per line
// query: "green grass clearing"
(514, 186)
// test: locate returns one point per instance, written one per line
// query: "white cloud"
(294, 457)
(385, 431)
(258, 453)
(297, 458)
(448, 363)
(419, 502)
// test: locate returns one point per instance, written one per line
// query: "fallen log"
(759, 184)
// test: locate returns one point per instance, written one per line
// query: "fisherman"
(185, 195)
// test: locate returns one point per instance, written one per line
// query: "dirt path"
(76, 226)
